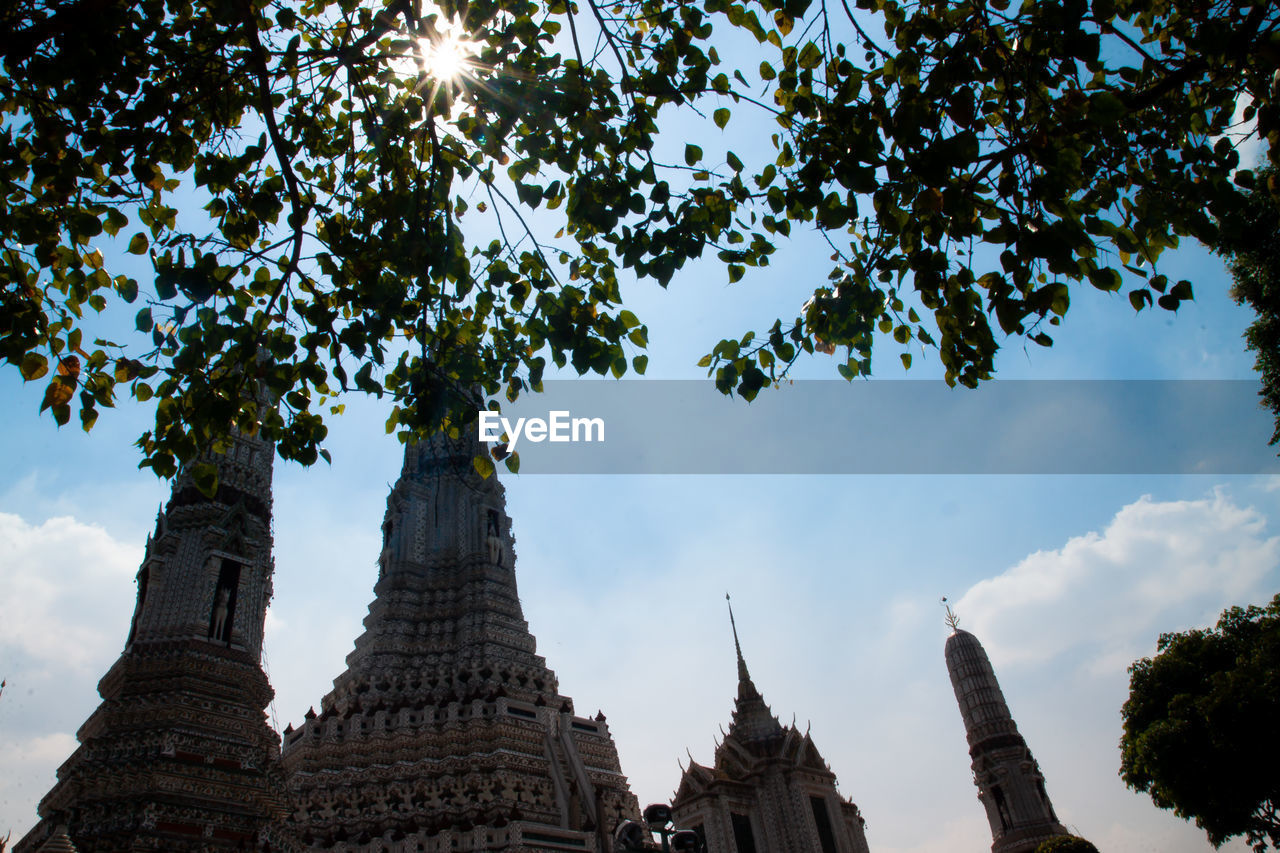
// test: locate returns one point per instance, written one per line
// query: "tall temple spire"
(744, 677)
(1009, 781)
(179, 756)
(447, 731)
(752, 718)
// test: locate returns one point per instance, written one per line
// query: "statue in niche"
(222, 614)
(493, 537)
(222, 600)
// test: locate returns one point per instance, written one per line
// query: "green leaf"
(692, 154)
(483, 465)
(205, 477)
(721, 117)
(138, 244)
(34, 366)
(1105, 279)
(127, 288)
(640, 362)
(114, 221)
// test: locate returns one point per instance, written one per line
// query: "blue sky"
(835, 579)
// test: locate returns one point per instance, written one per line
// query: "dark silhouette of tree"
(1200, 731)
(327, 207)
(1066, 844)
(1250, 240)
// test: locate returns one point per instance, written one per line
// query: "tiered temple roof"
(179, 756)
(447, 731)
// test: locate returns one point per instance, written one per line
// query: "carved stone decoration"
(1008, 778)
(447, 731)
(179, 756)
(768, 789)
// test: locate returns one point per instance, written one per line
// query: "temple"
(179, 756)
(1009, 781)
(447, 731)
(768, 789)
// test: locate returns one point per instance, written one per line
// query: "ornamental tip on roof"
(752, 718)
(952, 620)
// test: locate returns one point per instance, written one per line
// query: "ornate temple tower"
(179, 756)
(1009, 781)
(447, 732)
(769, 789)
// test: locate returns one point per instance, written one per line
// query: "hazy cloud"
(61, 578)
(1158, 566)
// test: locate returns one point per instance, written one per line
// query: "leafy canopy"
(1066, 844)
(324, 215)
(1200, 726)
(1250, 240)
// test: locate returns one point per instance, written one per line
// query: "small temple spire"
(744, 677)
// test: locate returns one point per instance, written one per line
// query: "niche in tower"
(1001, 807)
(223, 612)
(493, 536)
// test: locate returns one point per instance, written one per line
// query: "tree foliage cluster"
(1066, 844)
(1200, 730)
(322, 215)
(1250, 240)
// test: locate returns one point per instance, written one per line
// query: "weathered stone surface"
(179, 756)
(447, 731)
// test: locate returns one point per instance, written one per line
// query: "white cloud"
(1158, 566)
(68, 595)
(60, 579)
(29, 772)
(1063, 625)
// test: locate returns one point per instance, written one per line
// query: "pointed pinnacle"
(743, 675)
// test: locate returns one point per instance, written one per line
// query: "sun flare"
(447, 56)
(444, 59)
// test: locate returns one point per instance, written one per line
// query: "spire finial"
(743, 675)
(952, 620)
